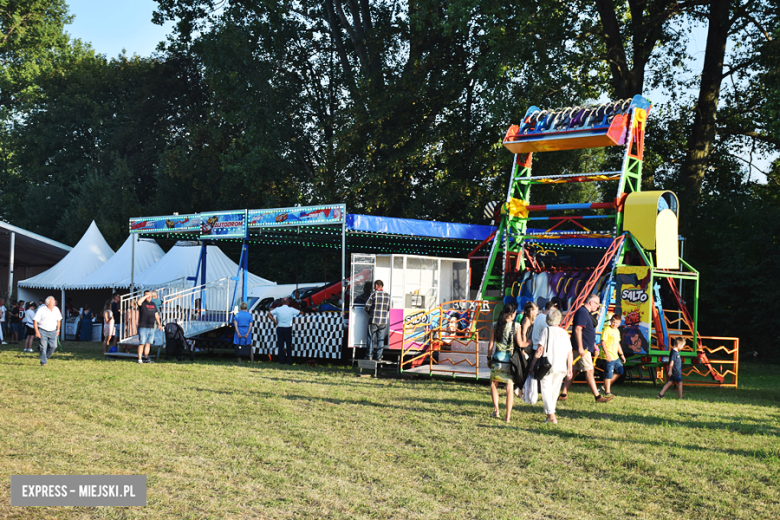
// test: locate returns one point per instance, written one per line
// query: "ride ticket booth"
(416, 285)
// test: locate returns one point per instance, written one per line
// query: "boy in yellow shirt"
(610, 344)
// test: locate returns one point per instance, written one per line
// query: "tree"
(648, 35)
(388, 107)
(31, 35)
(93, 121)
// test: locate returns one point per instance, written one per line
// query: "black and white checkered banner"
(313, 335)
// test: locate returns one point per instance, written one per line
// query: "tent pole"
(62, 311)
(203, 250)
(203, 264)
(245, 265)
(132, 263)
(11, 266)
(343, 260)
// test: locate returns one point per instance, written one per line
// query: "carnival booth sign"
(223, 224)
(317, 215)
(165, 224)
(634, 303)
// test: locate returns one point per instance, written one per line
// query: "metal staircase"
(196, 309)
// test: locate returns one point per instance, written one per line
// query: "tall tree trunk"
(703, 130)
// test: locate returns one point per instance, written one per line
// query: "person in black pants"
(282, 316)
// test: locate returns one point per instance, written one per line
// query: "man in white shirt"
(282, 316)
(47, 328)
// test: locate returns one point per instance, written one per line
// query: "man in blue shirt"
(378, 308)
(583, 342)
(282, 316)
(243, 325)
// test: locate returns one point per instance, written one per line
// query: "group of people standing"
(28, 321)
(16, 323)
(515, 351)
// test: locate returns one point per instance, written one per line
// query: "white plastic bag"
(530, 390)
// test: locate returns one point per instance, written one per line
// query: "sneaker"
(603, 399)
(610, 395)
(140, 362)
(148, 360)
(4, 343)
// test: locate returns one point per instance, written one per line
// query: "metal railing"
(722, 362)
(206, 304)
(209, 303)
(448, 349)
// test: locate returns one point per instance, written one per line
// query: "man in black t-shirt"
(583, 342)
(148, 315)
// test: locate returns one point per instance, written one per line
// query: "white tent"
(114, 274)
(86, 257)
(182, 261)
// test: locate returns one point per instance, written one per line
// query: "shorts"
(145, 335)
(30, 331)
(674, 378)
(584, 364)
(613, 367)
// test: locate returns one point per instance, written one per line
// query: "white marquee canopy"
(86, 257)
(182, 261)
(114, 274)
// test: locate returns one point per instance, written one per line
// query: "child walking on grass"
(675, 368)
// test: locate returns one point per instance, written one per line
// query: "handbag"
(530, 390)
(543, 366)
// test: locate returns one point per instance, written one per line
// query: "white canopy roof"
(86, 257)
(115, 273)
(182, 261)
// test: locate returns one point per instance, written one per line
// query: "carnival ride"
(638, 275)
(200, 305)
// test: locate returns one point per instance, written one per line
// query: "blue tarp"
(417, 228)
(448, 230)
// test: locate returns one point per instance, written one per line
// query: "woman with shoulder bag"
(502, 342)
(555, 345)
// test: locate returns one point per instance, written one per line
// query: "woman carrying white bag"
(556, 345)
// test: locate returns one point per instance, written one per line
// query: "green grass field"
(221, 439)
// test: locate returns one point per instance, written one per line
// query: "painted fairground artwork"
(409, 328)
(223, 224)
(166, 224)
(297, 216)
(635, 305)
